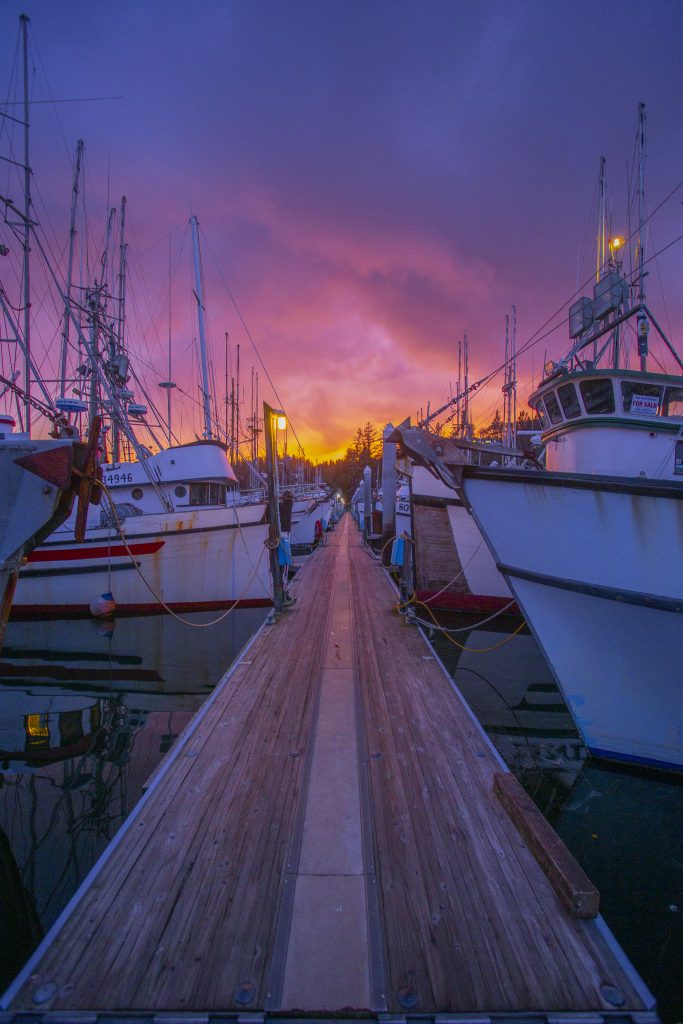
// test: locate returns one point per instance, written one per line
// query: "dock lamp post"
(274, 419)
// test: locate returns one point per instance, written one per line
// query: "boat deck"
(325, 839)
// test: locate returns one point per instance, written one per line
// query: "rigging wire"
(253, 343)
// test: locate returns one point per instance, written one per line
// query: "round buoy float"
(103, 607)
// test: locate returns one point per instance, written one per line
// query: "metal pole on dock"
(367, 503)
(388, 492)
(270, 423)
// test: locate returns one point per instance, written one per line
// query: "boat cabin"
(616, 422)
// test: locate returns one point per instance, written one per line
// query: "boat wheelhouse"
(612, 421)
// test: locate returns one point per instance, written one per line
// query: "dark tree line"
(365, 449)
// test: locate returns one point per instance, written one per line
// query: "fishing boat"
(592, 546)
(38, 482)
(173, 531)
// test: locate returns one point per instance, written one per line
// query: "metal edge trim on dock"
(233, 1017)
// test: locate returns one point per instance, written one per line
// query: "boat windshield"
(570, 401)
(553, 407)
(641, 398)
(598, 395)
(673, 402)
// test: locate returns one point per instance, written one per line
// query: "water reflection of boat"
(508, 686)
(87, 711)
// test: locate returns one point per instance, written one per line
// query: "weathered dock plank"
(471, 923)
(326, 839)
(185, 913)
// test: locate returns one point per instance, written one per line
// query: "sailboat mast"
(206, 395)
(466, 428)
(237, 405)
(227, 382)
(70, 265)
(514, 377)
(458, 421)
(122, 279)
(602, 216)
(643, 324)
(27, 236)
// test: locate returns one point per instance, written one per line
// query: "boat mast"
(510, 383)
(122, 279)
(466, 425)
(27, 236)
(69, 273)
(237, 403)
(168, 384)
(643, 324)
(120, 335)
(602, 217)
(206, 395)
(458, 420)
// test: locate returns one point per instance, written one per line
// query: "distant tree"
(364, 449)
(494, 430)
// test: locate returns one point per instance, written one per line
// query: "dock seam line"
(278, 960)
(376, 946)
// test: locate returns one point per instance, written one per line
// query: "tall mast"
(206, 394)
(168, 385)
(466, 427)
(643, 324)
(602, 217)
(27, 236)
(458, 421)
(237, 404)
(69, 274)
(227, 396)
(122, 279)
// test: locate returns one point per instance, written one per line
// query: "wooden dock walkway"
(324, 839)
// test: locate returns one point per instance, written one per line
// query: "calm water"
(624, 827)
(87, 710)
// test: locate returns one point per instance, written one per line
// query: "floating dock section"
(334, 836)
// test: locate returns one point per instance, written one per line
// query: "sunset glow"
(372, 181)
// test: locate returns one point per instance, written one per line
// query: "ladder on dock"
(326, 839)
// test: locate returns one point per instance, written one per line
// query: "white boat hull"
(596, 565)
(189, 559)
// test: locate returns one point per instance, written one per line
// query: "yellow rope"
(475, 650)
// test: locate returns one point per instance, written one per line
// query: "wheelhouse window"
(553, 407)
(539, 409)
(641, 398)
(673, 402)
(598, 395)
(207, 493)
(569, 401)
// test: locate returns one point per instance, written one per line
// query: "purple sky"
(372, 180)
